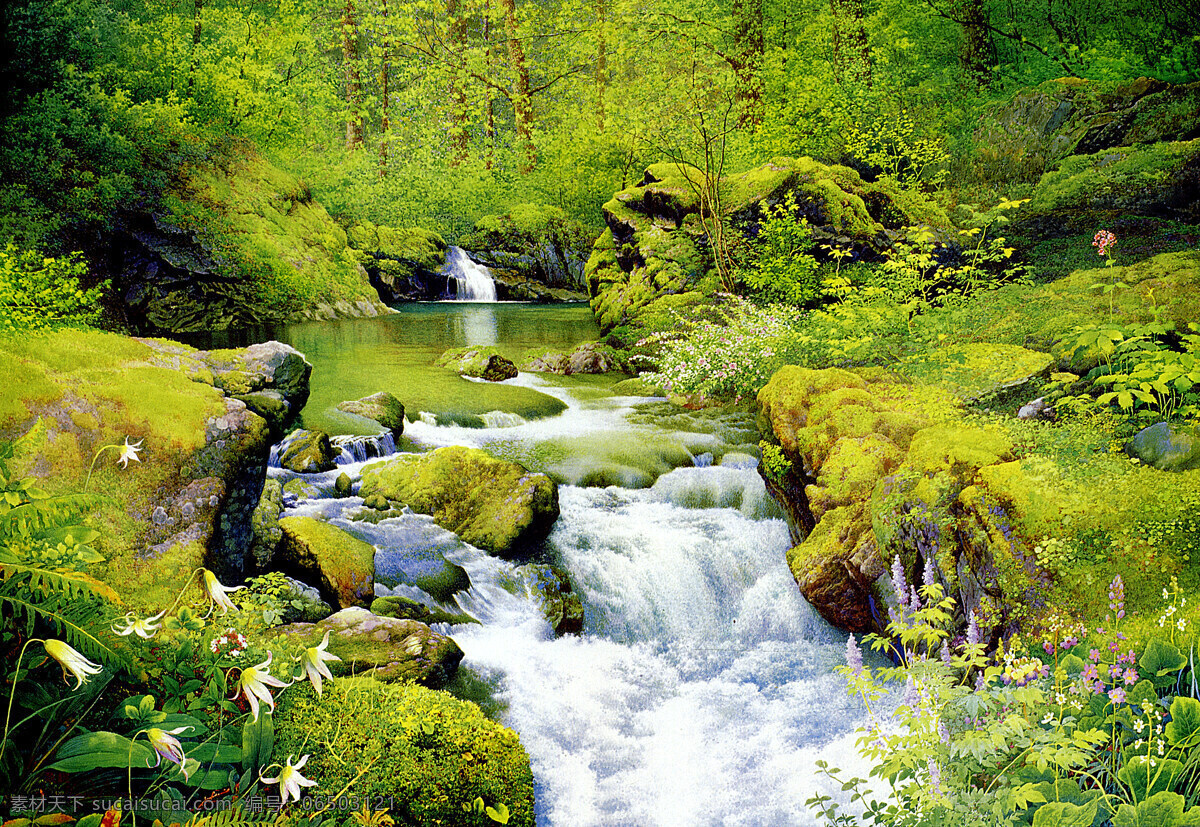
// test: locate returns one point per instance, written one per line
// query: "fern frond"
(74, 585)
(236, 816)
(83, 624)
(32, 518)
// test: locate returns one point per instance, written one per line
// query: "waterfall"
(472, 282)
(362, 448)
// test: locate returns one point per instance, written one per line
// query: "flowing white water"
(702, 690)
(473, 282)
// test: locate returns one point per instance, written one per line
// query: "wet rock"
(342, 485)
(1167, 446)
(308, 452)
(479, 362)
(550, 587)
(408, 609)
(589, 357)
(341, 565)
(414, 555)
(380, 407)
(392, 649)
(492, 504)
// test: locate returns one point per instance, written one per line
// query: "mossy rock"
(1167, 447)
(407, 609)
(479, 362)
(380, 407)
(980, 373)
(428, 753)
(339, 564)
(265, 523)
(550, 588)
(301, 489)
(238, 242)
(587, 357)
(413, 553)
(637, 386)
(308, 452)
(199, 452)
(392, 649)
(494, 505)
(402, 262)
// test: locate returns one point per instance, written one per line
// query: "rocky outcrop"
(550, 587)
(381, 407)
(340, 565)
(403, 263)
(249, 231)
(534, 250)
(390, 649)
(494, 505)
(1019, 140)
(656, 246)
(190, 498)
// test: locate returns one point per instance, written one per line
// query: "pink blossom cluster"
(1103, 240)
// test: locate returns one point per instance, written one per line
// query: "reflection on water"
(353, 358)
(478, 325)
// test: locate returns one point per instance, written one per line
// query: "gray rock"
(303, 603)
(1037, 409)
(414, 555)
(1167, 446)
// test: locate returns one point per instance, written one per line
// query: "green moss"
(1084, 179)
(429, 753)
(26, 384)
(342, 566)
(490, 503)
(978, 371)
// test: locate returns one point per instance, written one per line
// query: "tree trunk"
(851, 50)
(747, 59)
(489, 127)
(978, 54)
(354, 124)
(197, 7)
(521, 94)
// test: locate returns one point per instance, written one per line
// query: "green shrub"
(39, 293)
(779, 267)
(426, 753)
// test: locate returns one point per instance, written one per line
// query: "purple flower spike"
(853, 655)
(898, 582)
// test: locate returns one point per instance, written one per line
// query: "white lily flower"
(314, 663)
(218, 593)
(142, 627)
(166, 745)
(72, 661)
(129, 452)
(254, 683)
(290, 780)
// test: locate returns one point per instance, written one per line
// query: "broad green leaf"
(1164, 809)
(1147, 776)
(1160, 662)
(1184, 727)
(1063, 814)
(94, 750)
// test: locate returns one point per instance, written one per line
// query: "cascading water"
(472, 282)
(702, 690)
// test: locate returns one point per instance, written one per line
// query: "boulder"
(408, 609)
(391, 649)
(538, 244)
(343, 484)
(380, 407)
(494, 505)
(1167, 446)
(308, 452)
(588, 357)
(479, 362)
(338, 563)
(412, 553)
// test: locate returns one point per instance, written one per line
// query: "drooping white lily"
(217, 593)
(129, 452)
(142, 627)
(290, 780)
(166, 745)
(313, 661)
(254, 683)
(72, 661)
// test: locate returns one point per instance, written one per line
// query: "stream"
(702, 689)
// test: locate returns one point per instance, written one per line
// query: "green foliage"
(891, 145)
(39, 293)
(779, 267)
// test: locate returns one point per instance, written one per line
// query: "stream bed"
(701, 690)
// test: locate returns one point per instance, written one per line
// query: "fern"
(236, 816)
(84, 624)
